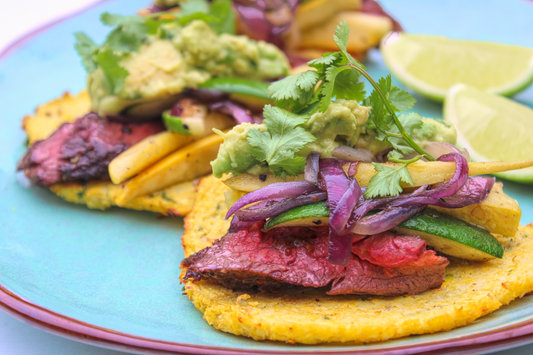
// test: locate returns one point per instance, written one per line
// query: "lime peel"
(492, 128)
(430, 65)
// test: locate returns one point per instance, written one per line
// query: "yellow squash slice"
(366, 29)
(174, 200)
(314, 12)
(421, 172)
(185, 164)
(152, 149)
(498, 213)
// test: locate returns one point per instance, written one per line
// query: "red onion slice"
(352, 170)
(312, 167)
(386, 219)
(267, 20)
(438, 149)
(352, 154)
(475, 190)
(239, 113)
(273, 191)
(273, 208)
(236, 225)
(332, 179)
(457, 181)
(341, 201)
(340, 248)
(339, 218)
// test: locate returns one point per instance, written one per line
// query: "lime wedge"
(492, 128)
(430, 65)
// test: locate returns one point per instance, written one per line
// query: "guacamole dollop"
(235, 154)
(344, 122)
(188, 56)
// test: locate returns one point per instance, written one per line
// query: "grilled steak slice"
(269, 260)
(82, 150)
(249, 257)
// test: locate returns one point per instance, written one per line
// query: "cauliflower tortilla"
(309, 316)
(176, 200)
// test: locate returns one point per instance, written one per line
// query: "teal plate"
(111, 278)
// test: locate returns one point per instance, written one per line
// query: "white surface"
(18, 338)
(19, 17)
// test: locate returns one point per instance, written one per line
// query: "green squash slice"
(445, 234)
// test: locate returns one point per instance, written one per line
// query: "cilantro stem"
(418, 157)
(404, 134)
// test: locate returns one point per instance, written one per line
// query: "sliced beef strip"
(82, 150)
(363, 277)
(272, 260)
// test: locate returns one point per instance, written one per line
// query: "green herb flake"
(387, 181)
(337, 75)
(114, 74)
(86, 48)
(278, 145)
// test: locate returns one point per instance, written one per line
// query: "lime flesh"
(492, 128)
(430, 65)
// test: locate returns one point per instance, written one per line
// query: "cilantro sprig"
(130, 32)
(338, 75)
(284, 138)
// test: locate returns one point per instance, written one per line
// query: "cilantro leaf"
(128, 35)
(154, 26)
(387, 181)
(294, 91)
(223, 11)
(283, 139)
(401, 99)
(86, 49)
(328, 59)
(341, 38)
(292, 86)
(329, 86)
(196, 10)
(410, 122)
(114, 74)
(346, 85)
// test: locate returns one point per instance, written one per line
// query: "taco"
(141, 132)
(350, 221)
(302, 28)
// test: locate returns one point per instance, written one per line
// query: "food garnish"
(496, 68)
(337, 75)
(500, 129)
(146, 61)
(279, 144)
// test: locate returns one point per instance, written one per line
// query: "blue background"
(119, 269)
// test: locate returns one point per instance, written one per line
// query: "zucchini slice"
(452, 236)
(444, 233)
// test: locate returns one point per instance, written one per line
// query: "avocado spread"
(344, 122)
(186, 57)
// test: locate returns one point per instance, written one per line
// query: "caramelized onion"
(273, 191)
(352, 154)
(311, 167)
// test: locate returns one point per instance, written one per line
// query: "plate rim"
(58, 324)
(73, 329)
